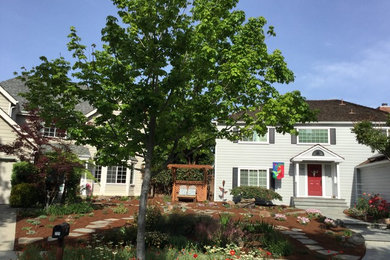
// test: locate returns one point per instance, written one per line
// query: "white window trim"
(257, 142)
(252, 168)
(116, 175)
(383, 128)
(314, 128)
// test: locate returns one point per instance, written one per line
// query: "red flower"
(195, 255)
(269, 253)
(232, 252)
(341, 252)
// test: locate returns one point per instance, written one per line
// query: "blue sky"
(337, 49)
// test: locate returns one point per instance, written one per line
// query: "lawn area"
(208, 230)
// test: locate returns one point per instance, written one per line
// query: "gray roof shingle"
(16, 86)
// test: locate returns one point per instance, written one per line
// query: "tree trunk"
(141, 253)
(142, 210)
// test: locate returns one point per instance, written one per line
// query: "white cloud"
(365, 79)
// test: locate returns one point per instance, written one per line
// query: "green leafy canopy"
(167, 68)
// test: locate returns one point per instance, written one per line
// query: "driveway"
(7, 232)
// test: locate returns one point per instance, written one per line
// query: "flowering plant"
(374, 205)
(280, 217)
(329, 222)
(303, 220)
(313, 213)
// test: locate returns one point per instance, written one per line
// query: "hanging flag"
(278, 170)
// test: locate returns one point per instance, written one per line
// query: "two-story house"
(109, 181)
(319, 163)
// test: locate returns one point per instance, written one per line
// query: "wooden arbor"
(195, 190)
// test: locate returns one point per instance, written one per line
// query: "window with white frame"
(53, 132)
(313, 136)
(116, 174)
(255, 138)
(98, 173)
(253, 177)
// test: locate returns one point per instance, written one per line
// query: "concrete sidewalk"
(7, 232)
(377, 240)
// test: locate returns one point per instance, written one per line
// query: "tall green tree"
(376, 138)
(166, 68)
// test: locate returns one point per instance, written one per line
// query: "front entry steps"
(318, 203)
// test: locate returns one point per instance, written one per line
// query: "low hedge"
(25, 195)
(251, 192)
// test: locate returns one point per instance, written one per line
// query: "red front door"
(314, 176)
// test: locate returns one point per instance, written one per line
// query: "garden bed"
(328, 238)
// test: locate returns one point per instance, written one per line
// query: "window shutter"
(271, 135)
(272, 180)
(235, 177)
(333, 136)
(293, 139)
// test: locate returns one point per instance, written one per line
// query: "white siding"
(229, 155)
(376, 179)
(4, 104)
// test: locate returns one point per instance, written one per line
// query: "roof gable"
(317, 153)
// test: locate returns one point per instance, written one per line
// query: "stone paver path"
(312, 245)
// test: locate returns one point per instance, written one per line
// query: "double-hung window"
(253, 177)
(313, 136)
(116, 174)
(98, 173)
(52, 131)
(254, 137)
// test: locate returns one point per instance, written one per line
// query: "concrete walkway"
(377, 240)
(7, 232)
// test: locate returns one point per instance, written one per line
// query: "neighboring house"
(319, 164)
(373, 176)
(111, 181)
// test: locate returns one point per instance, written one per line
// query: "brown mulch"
(314, 230)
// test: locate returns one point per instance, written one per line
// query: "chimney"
(385, 107)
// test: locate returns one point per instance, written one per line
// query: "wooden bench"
(187, 192)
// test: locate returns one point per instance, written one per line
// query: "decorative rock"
(307, 241)
(96, 226)
(49, 239)
(84, 230)
(99, 222)
(288, 232)
(296, 229)
(71, 234)
(356, 239)
(264, 214)
(348, 257)
(314, 247)
(327, 252)
(111, 219)
(281, 228)
(298, 236)
(28, 240)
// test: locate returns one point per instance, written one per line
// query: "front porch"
(317, 174)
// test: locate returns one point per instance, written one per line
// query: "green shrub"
(156, 239)
(153, 218)
(76, 208)
(24, 172)
(24, 195)
(121, 209)
(251, 192)
(276, 243)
